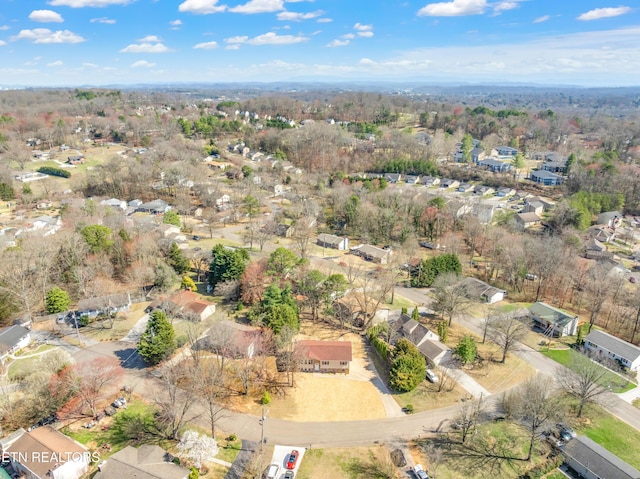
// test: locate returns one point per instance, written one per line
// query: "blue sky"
(99, 42)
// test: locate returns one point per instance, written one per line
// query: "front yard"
(351, 463)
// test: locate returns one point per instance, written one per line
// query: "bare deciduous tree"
(507, 330)
(584, 379)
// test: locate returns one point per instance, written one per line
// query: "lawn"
(563, 356)
(22, 367)
(612, 434)
(426, 397)
(116, 330)
(351, 463)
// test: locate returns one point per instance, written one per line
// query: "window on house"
(343, 363)
(325, 363)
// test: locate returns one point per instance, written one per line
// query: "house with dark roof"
(332, 241)
(505, 151)
(606, 346)
(145, 462)
(449, 183)
(552, 320)
(44, 453)
(612, 219)
(594, 249)
(429, 181)
(505, 191)
(113, 303)
(324, 356)
(12, 340)
(527, 220)
(372, 253)
(393, 177)
(592, 461)
(546, 178)
(427, 342)
(481, 291)
(155, 207)
(495, 166)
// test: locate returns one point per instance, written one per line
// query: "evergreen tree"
(408, 368)
(466, 350)
(159, 339)
(227, 264)
(177, 260)
(415, 315)
(188, 284)
(171, 217)
(57, 301)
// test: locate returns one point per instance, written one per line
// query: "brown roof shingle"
(325, 350)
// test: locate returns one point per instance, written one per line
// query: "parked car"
(531, 277)
(289, 475)
(426, 244)
(419, 472)
(272, 472)
(431, 376)
(196, 238)
(566, 433)
(292, 459)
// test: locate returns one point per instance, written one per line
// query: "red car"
(292, 459)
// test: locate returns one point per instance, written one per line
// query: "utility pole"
(264, 419)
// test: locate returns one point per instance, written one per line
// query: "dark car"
(292, 459)
(289, 475)
(196, 238)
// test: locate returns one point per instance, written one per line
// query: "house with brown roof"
(45, 453)
(190, 304)
(527, 220)
(324, 356)
(145, 462)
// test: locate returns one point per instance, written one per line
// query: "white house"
(333, 241)
(482, 291)
(13, 339)
(605, 346)
(553, 320)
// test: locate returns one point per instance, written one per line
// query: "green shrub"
(409, 408)
(181, 340)
(53, 171)
(266, 398)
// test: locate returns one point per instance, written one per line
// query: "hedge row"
(53, 171)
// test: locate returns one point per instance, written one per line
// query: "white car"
(431, 376)
(272, 472)
(419, 472)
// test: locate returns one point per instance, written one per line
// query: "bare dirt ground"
(327, 397)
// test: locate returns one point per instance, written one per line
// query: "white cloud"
(325, 20)
(142, 64)
(259, 6)
(454, 8)
(269, 38)
(297, 17)
(87, 3)
(232, 47)
(504, 6)
(362, 28)
(175, 23)
(44, 35)
(89, 65)
(201, 7)
(2, 42)
(5, 27)
(45, 16)
(207, 45)
(541, 19)
(106, 20)
(149, 39)
(598, 13)
(57, 63)
(365, 34)
(349, 36)
(338, 43)
(145, 48)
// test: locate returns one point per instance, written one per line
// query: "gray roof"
(615, 345)
(528, 217)
(604, 218)
(599, 461)
(549, 313)
(10, 336)
(103, 302)
(330, 239)
(432, 349)
(145, 462)
(479, 289)
(544, 174)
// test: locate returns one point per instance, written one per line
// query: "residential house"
(44, 205)
(521, 195)
(167, 230)
(372, 253)
(495, 166)
(75, 159)
(533, 207)
(114, 203)
(481, 291)
(449, 183)
(411, 179)
(427, 342)
(527, 220)
(505, 191)
(284, 230)
(477, 155)
(459, 208)
(546, 178)
(332, 241)
(484, 190)
(155, 207)
(47, 225)
(324, 356)
(393, 177)
(484, 212)
(592, 461)
(113, 303)
(465, 187)
(612, 219)
(223, 200)
(504, 151)
(25, 177)
(145, 462)
(429, 181)
(13, 339)
(602, 233)
(594, 249)
(553, 321)
(555, 166)
(605, 346)
(188, 303)
(232, 339)
(44, 453)
(546, 203)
